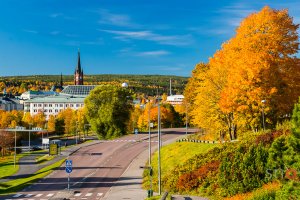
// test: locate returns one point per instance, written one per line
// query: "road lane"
(95, 169)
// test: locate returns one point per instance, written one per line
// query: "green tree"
(108, 110)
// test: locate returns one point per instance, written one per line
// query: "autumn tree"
(262, 66)
(257, 64)
(51, 123)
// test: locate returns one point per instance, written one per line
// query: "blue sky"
(119, 36)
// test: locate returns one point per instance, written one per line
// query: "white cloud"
(55, 15)
(115, 19)
(55, 32)
(30, 31)
(154, 53)
(176, 40)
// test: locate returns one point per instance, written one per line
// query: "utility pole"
(159, 145)
(263, 113)
(149, 132)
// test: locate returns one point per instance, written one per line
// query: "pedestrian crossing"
(48, 196)
(129, 141)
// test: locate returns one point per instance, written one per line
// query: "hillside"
(147, 84)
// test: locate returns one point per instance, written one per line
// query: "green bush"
(244, 170)
(266, 195)
(289, 191)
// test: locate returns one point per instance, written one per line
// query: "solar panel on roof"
(80, 90)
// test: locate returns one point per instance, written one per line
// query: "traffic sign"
(69, 166)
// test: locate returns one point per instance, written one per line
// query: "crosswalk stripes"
(17, 195)
(46, 196)
(77, 195)
(89, 194)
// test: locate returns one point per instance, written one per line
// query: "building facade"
(175, 99)
(71, 97)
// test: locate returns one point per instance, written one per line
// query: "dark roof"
(77, 90)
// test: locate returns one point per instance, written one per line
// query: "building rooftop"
(57, 99)
(77, 90)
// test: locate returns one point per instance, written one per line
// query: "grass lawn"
(18, 184)
(177, 153)
(7, 165)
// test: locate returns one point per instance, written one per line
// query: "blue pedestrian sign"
(69, 166)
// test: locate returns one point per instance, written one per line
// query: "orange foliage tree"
(258, 63)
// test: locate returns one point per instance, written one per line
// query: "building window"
(67, 105)
(77, 105)
(82, 105)
(56, 110)
(35, 110)
(45, 105)
(45, 110)
(50, 105)
(61, 105)
(34, 105)
(71, 105)
(56, 105)
(50, 110)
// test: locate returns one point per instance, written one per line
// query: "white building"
(30, 94)
(71, 97)
(175, 99)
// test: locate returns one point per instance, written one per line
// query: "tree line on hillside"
(255, 73)
(143, 84)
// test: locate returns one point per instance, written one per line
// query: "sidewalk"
(29, 166)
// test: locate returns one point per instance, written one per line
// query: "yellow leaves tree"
(257, 64)
(262, 66)
(51, 123)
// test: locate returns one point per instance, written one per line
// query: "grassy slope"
(174, 155)
(178, 153)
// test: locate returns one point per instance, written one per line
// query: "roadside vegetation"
(247, 96)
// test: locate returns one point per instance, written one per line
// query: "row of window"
(57, 105)
(47, 111)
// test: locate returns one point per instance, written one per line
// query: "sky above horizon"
(166, 37)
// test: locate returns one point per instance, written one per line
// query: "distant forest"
(142, 84)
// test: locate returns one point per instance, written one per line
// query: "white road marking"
(38, 195)
(50, 195)
(89, 194)
(17, 195)
(28, 195)
(99, 194)
(77, 195)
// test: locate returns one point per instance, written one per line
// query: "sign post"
(68, 170)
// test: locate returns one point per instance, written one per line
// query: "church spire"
(61, 80)
(78, 68)
(78, 75)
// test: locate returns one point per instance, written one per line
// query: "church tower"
(78, 75)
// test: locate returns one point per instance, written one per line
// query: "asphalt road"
(96, 168)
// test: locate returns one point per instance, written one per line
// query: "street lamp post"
(29, 136)
(159, 145)
(263, 113)
(76, 133)
(186, 120)
(15, 149)
(149, 133)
